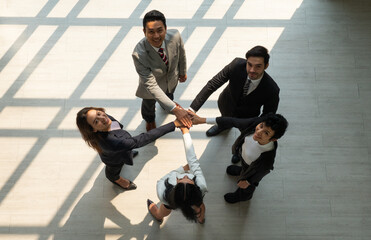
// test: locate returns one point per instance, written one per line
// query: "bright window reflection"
(218, 9)
(27, 117)
(68, 62)
(187, 9)
(21, 8)
(109, 9)
(24, 55)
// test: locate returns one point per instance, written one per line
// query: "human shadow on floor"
(95, 216)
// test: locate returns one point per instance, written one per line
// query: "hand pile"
(186, 118)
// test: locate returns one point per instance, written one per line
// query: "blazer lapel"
(262, 82)
(169, 50)
(154, 56)
(242, 81)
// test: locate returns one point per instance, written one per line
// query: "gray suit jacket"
(155, 78)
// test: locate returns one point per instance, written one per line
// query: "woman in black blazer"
(115, 146)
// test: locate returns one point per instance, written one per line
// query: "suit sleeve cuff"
(173, 108)
(191, 109)
(211, 120)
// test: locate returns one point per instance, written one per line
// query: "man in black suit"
(249, 88)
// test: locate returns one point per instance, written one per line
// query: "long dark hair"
(184, 196)
(87, 131)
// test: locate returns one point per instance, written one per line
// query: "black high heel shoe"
(132, 186)
(149, 202)
(135, 153)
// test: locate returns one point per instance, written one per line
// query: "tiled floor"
(59, 56)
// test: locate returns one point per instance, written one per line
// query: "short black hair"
(154, 15)
(277, 123)
(258, 51)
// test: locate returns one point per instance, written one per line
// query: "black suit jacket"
(231, 102)
(117, 144)
(261, 166)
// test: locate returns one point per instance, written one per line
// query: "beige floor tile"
(57, 57)
(12, 9)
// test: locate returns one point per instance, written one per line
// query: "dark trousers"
(239, 109)
(113, 173)
(249, 191)
(148, 108)
(225, 108)
(245, 194)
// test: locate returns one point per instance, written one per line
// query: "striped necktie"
(246, 87)
(163, 56)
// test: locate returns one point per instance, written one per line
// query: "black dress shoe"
(149, 202)
(240, 195)
(135, 153)
(235, 158)
(234, 170)
(231, 198)
(213, 131)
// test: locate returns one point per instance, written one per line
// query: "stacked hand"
(186, 118)
(182, 116)
(195, 118)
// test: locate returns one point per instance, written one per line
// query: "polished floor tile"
(59, 56)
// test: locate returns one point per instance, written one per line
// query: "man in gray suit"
(160, 61)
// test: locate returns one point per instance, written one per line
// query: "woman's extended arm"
(127, 142)
(193, 163)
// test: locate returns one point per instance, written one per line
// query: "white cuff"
(211, 120)
(192, 109)
(173, 108)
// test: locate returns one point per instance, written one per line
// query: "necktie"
(246, 87)
(163, 56)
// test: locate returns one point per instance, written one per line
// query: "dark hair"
(258, 51)
(184, 196)
(154, 15)
(87, 131)
(277, 123)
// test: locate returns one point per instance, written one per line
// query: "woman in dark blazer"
(256, 149)
(115, 146)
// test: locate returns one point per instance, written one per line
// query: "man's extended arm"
(147, 78)
(182, 65)
(212, 85)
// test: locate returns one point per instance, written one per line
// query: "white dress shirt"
(254, 84)
(162, 46)
(251, 149)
